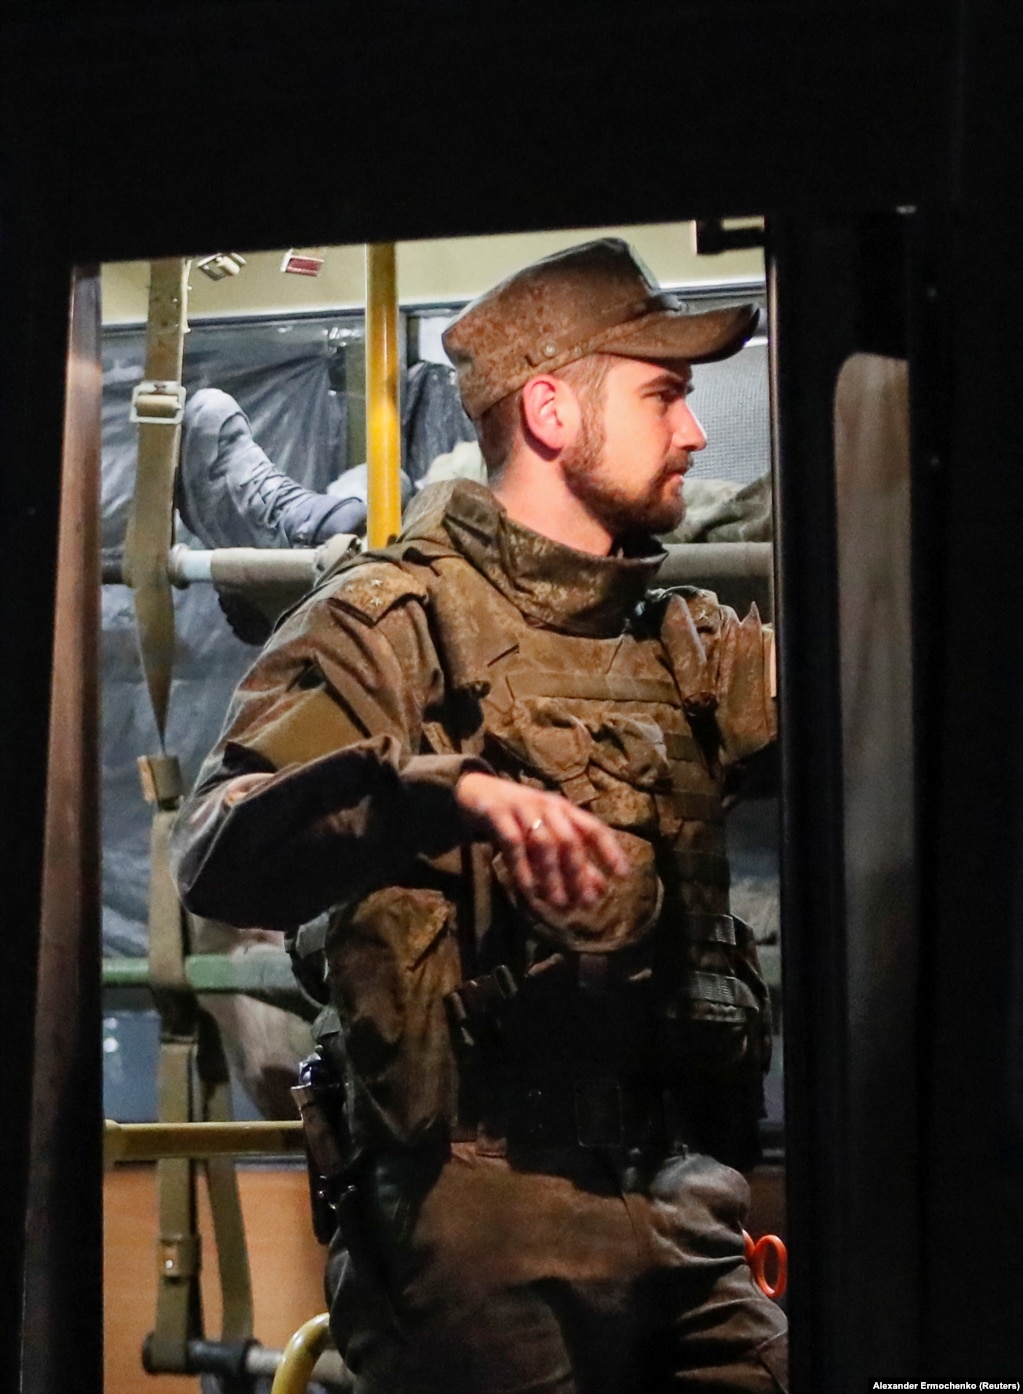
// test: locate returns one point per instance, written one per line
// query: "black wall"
(146, 129)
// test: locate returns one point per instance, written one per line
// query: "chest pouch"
(623, 917)
(613, 764)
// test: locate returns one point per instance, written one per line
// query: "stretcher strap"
(167, 935)
(157, 408)
(222, 1186)
(179, 1257)
(189, 1045)
(150, 525)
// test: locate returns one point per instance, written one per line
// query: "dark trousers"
(571, 1271)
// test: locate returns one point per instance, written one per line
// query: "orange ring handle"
(757, 1253)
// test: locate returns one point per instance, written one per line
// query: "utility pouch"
(716, 1031)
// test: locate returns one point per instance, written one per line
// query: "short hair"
(497, 427)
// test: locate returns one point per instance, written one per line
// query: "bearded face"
(633, 446)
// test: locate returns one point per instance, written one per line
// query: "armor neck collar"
(548, 582)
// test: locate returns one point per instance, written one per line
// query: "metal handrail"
(299, 567)
(263, 972)
(383, 417)
(300, 1356)
(149, 1142)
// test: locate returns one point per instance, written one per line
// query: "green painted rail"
(264, 974)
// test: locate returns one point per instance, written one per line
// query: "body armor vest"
(657, 985)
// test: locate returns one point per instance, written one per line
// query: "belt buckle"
(599, 1120)
(157, 403)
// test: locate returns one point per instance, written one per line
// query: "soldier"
(497, 756)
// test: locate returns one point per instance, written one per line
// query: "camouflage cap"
(594, 298)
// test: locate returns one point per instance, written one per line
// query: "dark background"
(133, 130)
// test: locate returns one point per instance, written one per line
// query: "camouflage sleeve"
(333, 710)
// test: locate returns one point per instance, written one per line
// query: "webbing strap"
(229, 1232)
(477, 857)
(167, 929)
(179, 1257)
(596, 687)
(178, 1313)
(714, 987)
(710, 929)
(161, 780)
(682, 747)
(150, 524)
(700, 808)
(178, 1303)
(222, 1185)
(707, 867)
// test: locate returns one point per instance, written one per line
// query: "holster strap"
(474, 1002)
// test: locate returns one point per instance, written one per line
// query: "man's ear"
(550, 412)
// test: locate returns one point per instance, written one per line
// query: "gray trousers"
(570, 1271)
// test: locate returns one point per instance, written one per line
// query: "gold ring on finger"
(537, 823)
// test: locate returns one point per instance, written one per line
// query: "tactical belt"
(477, 1002)
(587, 1112)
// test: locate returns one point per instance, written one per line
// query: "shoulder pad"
(370, 589)
(703, 606)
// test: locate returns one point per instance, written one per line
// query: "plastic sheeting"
(432, 419)
(280, 373)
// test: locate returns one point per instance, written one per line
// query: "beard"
(590, 476)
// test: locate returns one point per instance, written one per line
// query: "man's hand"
(555, 851)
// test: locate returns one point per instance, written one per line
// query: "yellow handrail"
(383, 419)
(147, 1142)
(300, 1356)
